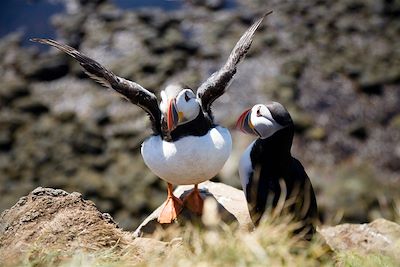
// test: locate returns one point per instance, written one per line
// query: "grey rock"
(40, 191)
(31, 106)
(47, 68)
(11, 90)
(6, 140)
(231, 208)
(379, 236)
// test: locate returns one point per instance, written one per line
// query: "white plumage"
(189, 160)
(246, 167)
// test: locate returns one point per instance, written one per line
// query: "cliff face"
(334, 65)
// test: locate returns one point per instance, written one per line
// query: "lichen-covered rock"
(379, 236)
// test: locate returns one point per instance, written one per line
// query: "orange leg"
(194, 202)
(172, 207)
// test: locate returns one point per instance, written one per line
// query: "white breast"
(189, 160)
(245, 167)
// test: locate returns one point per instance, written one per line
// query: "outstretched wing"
(215, 86)
(131, 90)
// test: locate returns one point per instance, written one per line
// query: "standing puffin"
(268, 171)
(186, 147)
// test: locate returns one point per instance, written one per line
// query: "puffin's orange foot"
(194, 202)
(172, 207)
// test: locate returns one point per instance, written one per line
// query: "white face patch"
(188, 105)
(263, 122)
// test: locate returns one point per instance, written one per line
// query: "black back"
(272, 163)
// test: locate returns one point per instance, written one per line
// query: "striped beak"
(173, 115)
(244, 123)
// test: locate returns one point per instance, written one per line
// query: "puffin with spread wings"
(187, 146)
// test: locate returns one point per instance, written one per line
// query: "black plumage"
(276, 174)
(200, 126)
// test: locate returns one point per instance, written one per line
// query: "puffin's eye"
(259, 112)
(187, 98)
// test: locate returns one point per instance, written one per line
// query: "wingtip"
(268, 13)
(265, 15)
(258, 22)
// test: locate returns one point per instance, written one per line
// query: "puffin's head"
(264, 120)
(179, 106)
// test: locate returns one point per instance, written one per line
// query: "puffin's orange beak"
(244, 123)
(172, 115)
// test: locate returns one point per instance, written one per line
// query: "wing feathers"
(215, 86)
(131, 90)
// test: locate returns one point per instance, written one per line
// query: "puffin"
(186, 147)
(271, 177)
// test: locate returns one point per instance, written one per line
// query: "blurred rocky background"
(335, 65)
